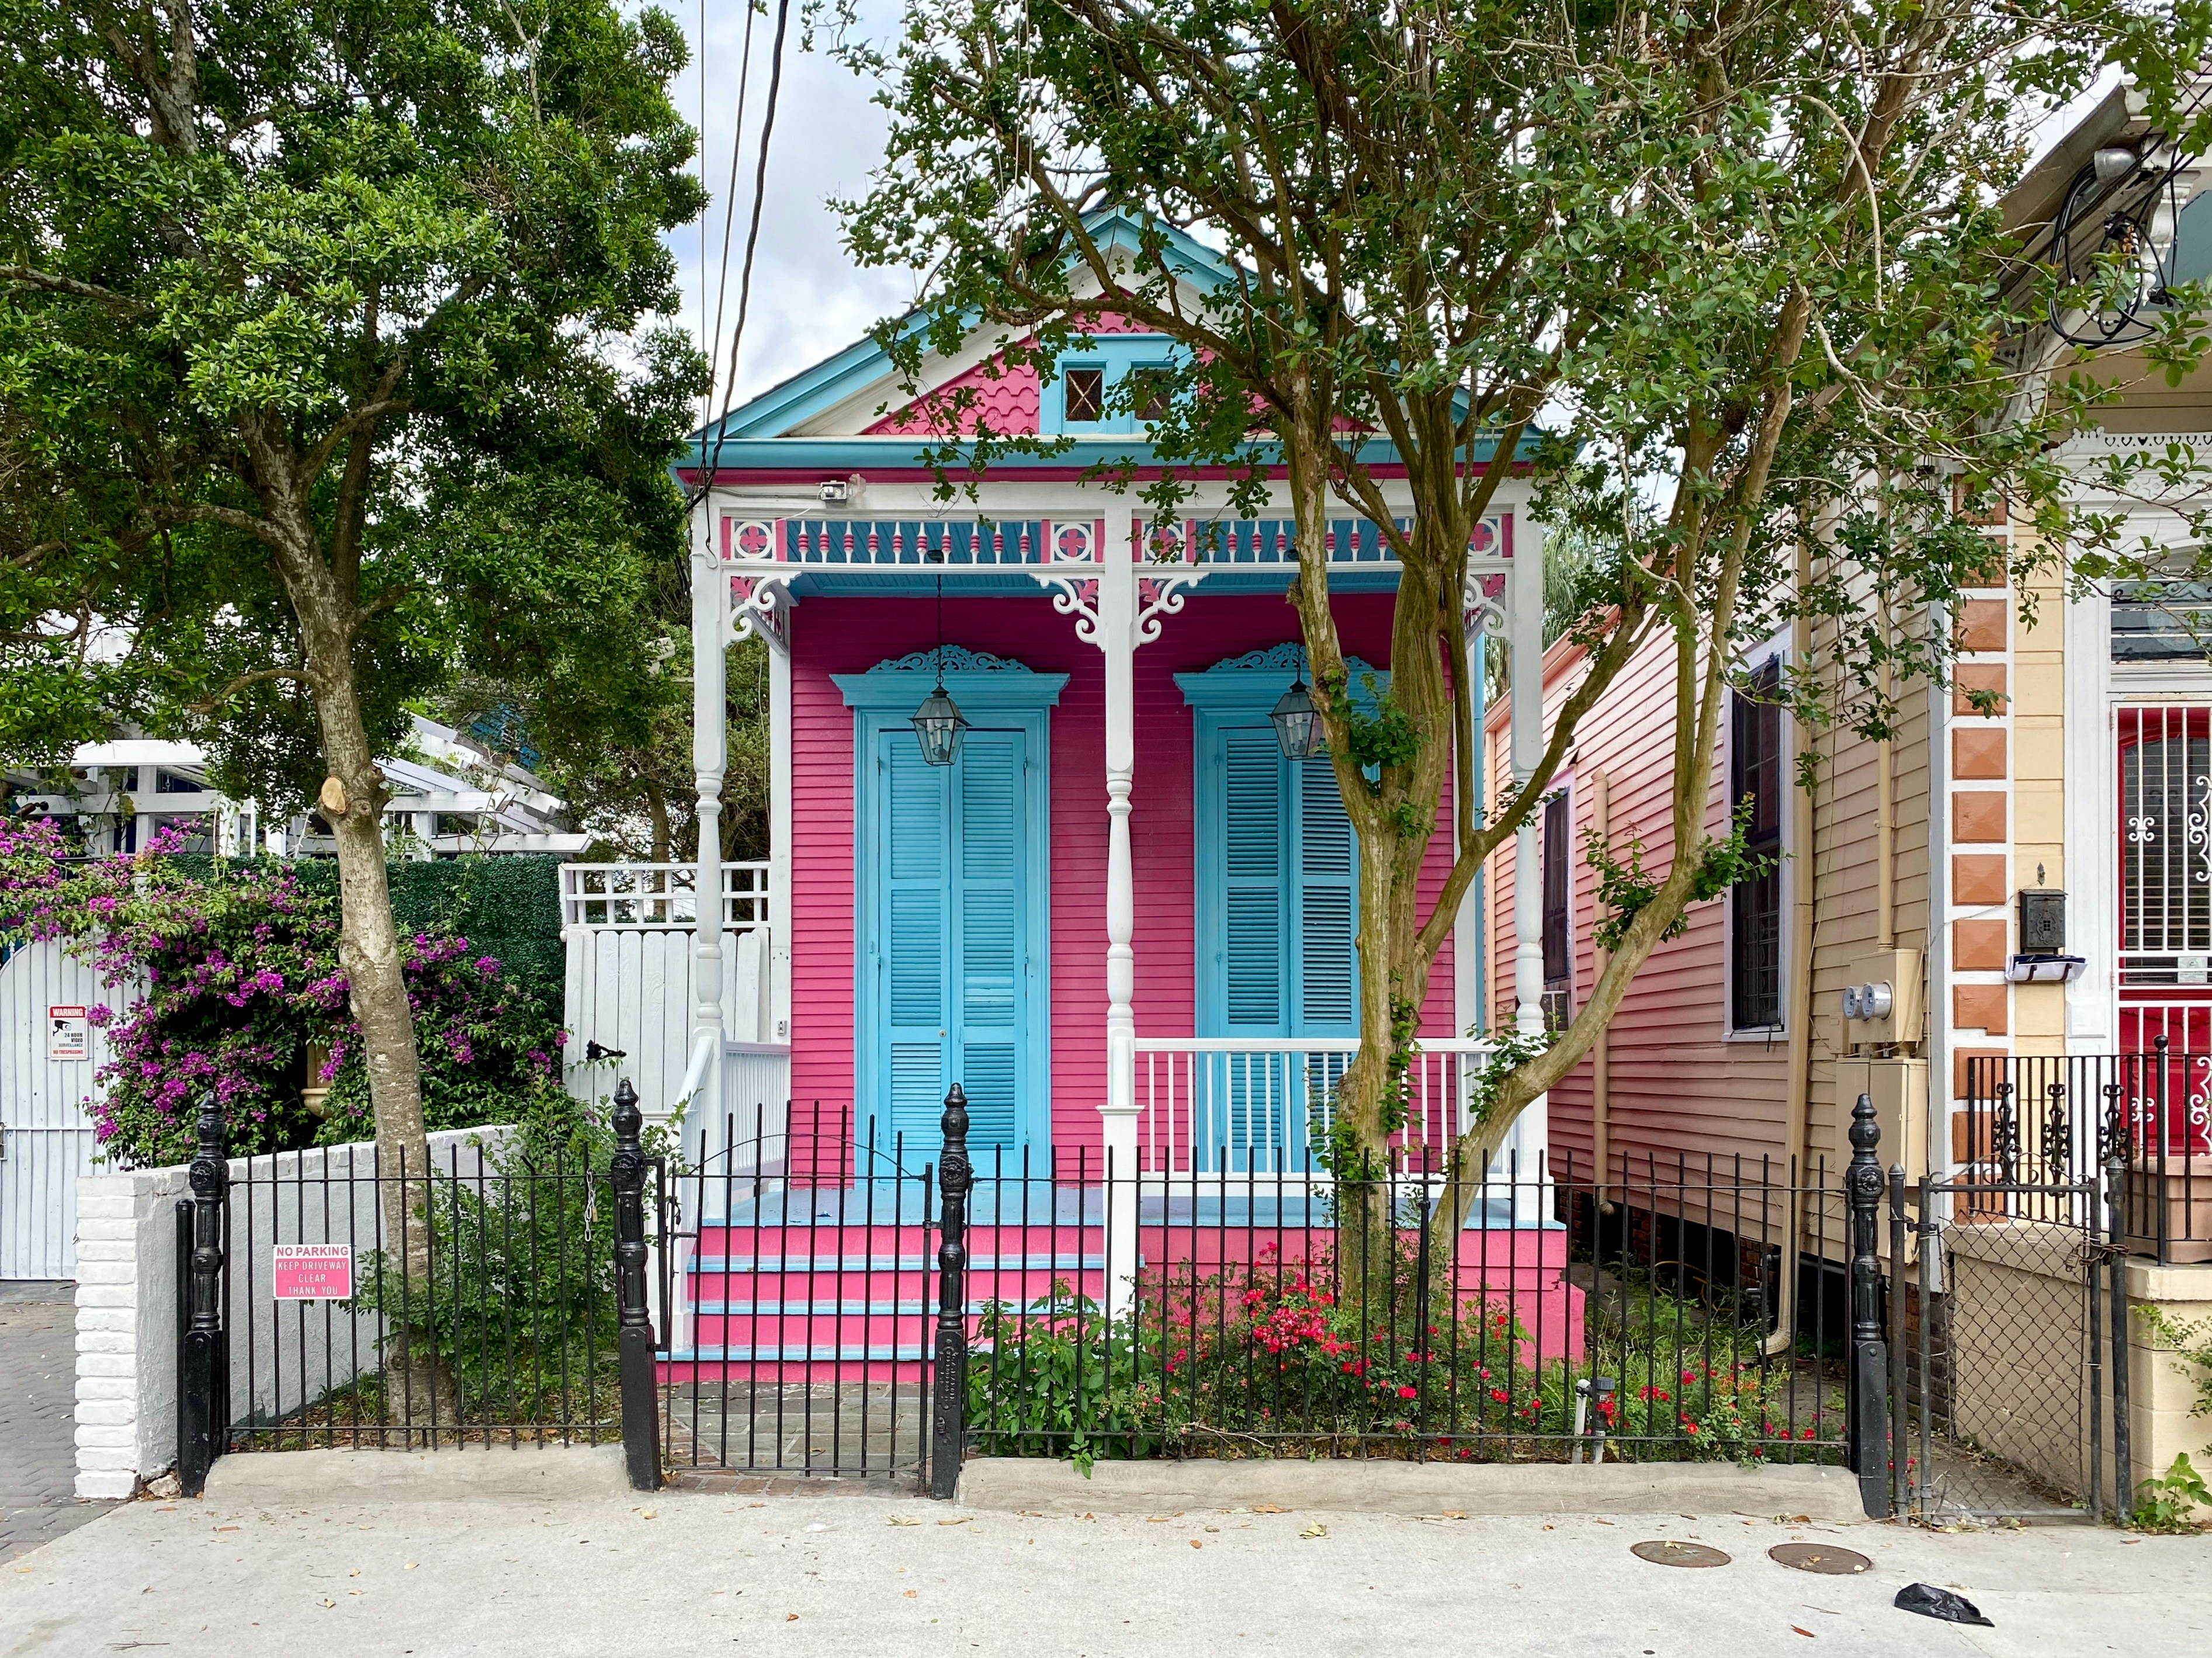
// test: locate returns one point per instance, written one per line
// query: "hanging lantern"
(938, 722)
(1297, 722)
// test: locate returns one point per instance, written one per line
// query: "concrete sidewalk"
(37, 1421)
(850, 1572)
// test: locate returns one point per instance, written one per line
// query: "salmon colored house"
(1996, 925)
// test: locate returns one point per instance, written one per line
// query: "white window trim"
(1775, 647)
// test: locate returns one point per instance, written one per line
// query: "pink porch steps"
(803, 1299)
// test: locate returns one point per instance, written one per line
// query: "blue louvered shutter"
(1325, 876)
(912, 865)
(1255, 894)
(990, 965)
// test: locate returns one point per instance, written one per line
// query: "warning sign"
(312, 1271)
(68, 1034)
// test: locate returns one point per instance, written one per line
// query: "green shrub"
(1272, 1359)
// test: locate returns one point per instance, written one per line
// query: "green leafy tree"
(1746, 260)
(328, 358)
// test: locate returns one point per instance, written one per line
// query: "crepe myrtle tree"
(1743, 262)
(327, 358)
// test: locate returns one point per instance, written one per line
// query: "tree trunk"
(419, 1391)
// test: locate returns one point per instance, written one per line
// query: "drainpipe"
(1797, 1086)
(1885, 823)
(1601, 1054)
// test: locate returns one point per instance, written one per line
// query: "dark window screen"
(1086, 394)
(1755, 905)
(1555, 893)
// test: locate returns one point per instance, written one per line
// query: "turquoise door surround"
(951, 907)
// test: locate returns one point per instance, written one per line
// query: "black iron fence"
(732, 1311)
(1667, 1312)
(2035, 1128)
(498, 1296)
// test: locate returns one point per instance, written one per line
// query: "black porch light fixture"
(937, 723)
(1298, 721)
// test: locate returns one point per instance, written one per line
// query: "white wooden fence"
(45, 1133)
(628, 929)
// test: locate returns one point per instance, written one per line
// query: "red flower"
(1405, 1393)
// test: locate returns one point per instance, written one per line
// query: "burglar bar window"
(1755, 905)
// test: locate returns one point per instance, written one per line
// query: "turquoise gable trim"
(1117, 355)
(787, 403)
(942, 919)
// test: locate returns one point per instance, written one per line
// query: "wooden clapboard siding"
(1846, 890)
(1678, 1087)
(851, 634)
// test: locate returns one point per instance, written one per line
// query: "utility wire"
(729, 220)
(752, 244)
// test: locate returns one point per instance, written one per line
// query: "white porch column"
(1526, 626)
(1117, 640)
(776, 961)
(710, 713)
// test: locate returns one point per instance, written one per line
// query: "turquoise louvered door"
(1325, 878)
(989, 968)
(912, 942)
(953, 932)
(1282, 889)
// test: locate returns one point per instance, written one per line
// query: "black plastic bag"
(1931, 1602)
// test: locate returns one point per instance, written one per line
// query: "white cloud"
(808, 299)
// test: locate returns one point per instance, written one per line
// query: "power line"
(752, 242)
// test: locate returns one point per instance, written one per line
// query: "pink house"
(1116, 913)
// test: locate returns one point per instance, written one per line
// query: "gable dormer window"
(1085, 396)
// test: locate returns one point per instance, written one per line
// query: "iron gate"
(797, 1271)
(2008, 1350)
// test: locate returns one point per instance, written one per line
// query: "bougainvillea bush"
(240, 995)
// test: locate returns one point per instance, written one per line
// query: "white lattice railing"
(659, 896)
(1206, 1103)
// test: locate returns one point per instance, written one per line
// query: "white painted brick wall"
(126, 1311)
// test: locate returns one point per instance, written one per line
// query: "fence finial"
(948, 1406)
(204, 1352)
(1863, 1185)
(640, 1404)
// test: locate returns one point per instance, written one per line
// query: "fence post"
(203, 1346)
(948, 1420)
(641, 1401)
(2124, 1456)
(1863, 1185)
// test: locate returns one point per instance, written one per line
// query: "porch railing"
(659, 896)
(1265, 1102)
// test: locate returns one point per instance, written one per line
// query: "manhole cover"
(1667, 1552)
(1822, 1558)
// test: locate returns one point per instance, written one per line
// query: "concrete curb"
(1038, 1486)
(473, 1474)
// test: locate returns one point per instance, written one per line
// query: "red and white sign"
(68, 1034)
(312, 1271)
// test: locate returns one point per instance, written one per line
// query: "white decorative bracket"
(1160, 594)
(760, 606)
(1073, 565)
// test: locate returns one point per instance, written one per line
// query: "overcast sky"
(808, 299)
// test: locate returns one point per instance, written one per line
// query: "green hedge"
(506, 905)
